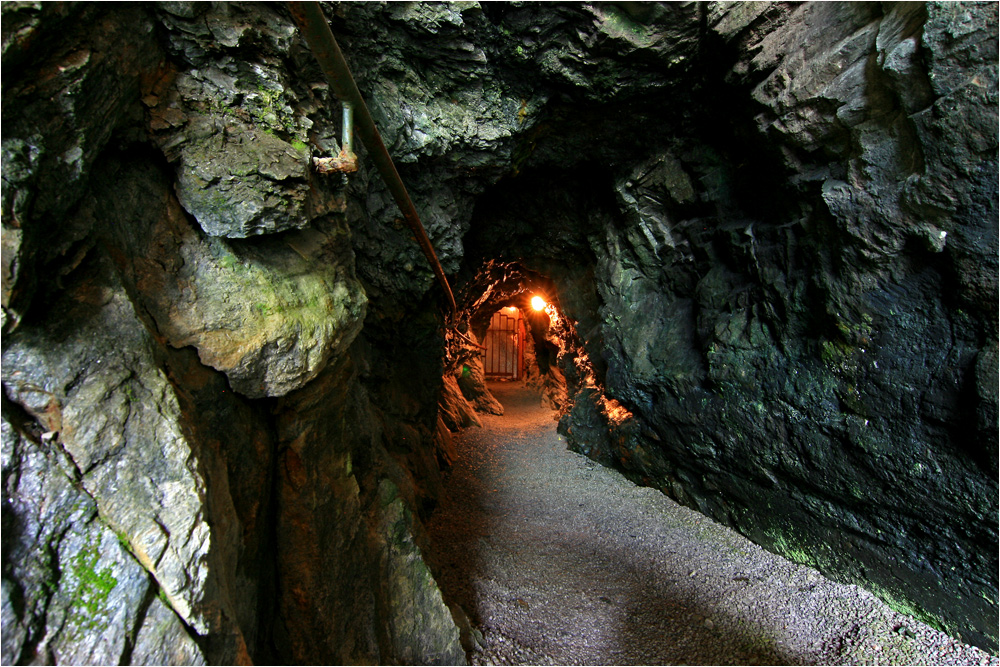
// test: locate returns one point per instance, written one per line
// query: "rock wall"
(770, 230)
(791, 287)
(204, 459)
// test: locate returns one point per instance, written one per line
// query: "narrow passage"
(558, 560)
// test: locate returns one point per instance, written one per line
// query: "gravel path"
(558, 560)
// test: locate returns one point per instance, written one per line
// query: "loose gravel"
(558, 560)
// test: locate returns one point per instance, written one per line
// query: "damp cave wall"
(221, 369)
(790, 295)
(217, 443)
(789, 277)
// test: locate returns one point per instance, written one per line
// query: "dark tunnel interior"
(238, 401)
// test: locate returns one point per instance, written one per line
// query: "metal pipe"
(346, 162)
(314, 28)
(347, 128)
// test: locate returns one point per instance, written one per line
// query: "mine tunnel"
(248, 410)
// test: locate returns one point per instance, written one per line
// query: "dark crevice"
(765, 235)
(140, 618)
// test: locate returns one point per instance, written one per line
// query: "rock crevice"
(768, 230)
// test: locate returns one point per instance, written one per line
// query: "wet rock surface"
(556, 560)
(238, 123)
(268, 315)
(183, 479)
(128, 519)
(760, 286)
(768, 231)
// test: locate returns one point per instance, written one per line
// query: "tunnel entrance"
(503, 358)
(541, 549)
(513, 332)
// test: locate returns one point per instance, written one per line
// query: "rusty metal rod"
(314, 28)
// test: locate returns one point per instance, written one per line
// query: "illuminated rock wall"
(769, 231)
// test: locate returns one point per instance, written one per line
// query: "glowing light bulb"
(538, 303)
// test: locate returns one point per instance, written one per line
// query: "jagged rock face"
(769, 229)
(238, 128)
(792, 290)
(204, 459)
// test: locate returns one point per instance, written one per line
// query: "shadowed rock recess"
(768, 232)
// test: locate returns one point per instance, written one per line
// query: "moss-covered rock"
(770, 229)
(268, 315)
(102, 432)
(239, 183)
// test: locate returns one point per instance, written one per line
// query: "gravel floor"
(558, 560)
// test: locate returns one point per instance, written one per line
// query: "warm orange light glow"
(510, 309)
(538, 303)
(616, 412)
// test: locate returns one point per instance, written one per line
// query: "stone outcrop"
(455, 409)
(239, 129)
(130, 492)
(269, 316)
(472, 382)
(193, 469)
(769, 231)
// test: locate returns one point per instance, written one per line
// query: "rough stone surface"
(89, 385)
(793, 303)
(240, 186)
(551, 383)
(161, 641)
(472, 382)
(419, 625)
(558, 560)
(768, 231)
(143, 497)
(75, 76)
(343, 457)
(465, 392)
(269, 316)
(93, 584)
(238, 124)
(455, 409)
